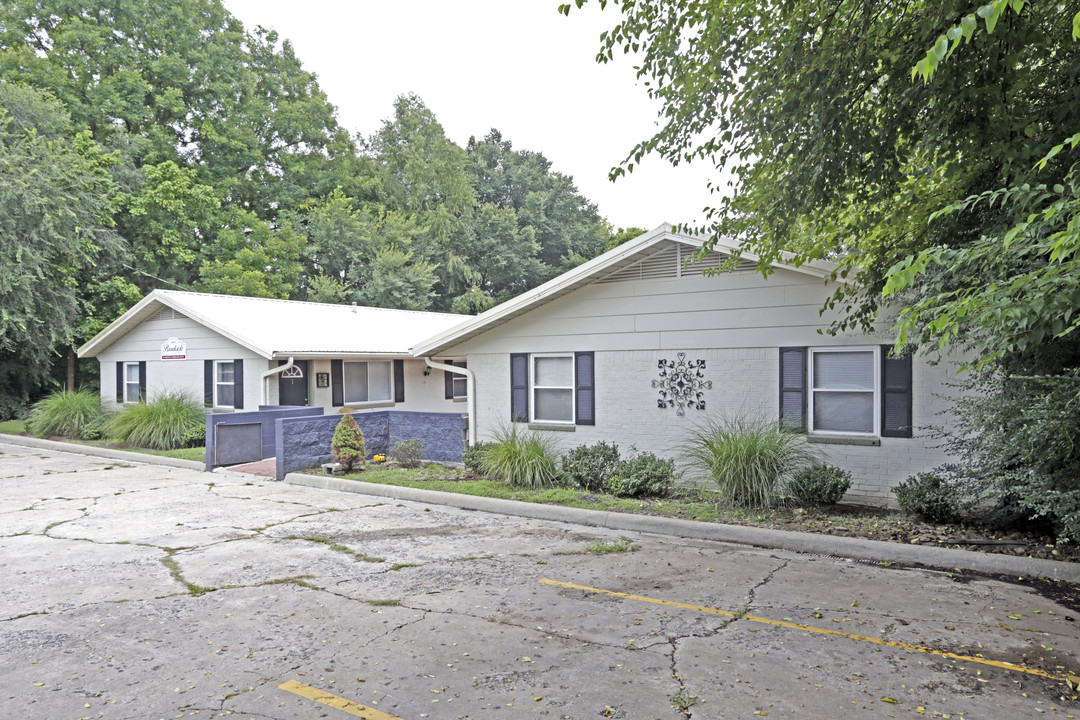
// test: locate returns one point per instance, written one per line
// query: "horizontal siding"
(144, 342)
(727, 310)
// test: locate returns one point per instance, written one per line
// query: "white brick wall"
(744, 382)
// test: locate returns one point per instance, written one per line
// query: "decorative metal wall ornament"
(681, 384)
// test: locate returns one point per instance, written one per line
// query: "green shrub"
(748, 459)
(167, 422)
(521, 458)
(347, 446)
(590, 467)
(819, 483)
(474, 455)
(643, 475)
(76, 415)
(930, 496)
(408, 453)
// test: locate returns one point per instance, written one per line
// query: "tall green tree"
(55, 200)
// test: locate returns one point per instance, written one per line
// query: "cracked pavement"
(139, 591)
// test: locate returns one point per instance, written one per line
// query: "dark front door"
(292, 384)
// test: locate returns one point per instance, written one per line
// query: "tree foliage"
(54, 216)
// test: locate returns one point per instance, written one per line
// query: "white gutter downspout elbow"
(266, 380)
(470, 387)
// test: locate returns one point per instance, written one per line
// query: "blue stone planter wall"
(304, 442)
(266, 415)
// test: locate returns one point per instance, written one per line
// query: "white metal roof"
(280, 328)
(599, 267)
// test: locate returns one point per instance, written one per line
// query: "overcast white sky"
(515, 65)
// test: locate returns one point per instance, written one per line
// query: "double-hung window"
(845, 387)
(367, 382)
(224, 383)
(553, 388)
(131, 382)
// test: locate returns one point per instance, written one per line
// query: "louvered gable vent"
(669, 262)
(165, 313)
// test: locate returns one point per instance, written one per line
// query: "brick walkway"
(267, 467)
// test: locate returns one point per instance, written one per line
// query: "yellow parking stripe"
(321, 696)
(812, 629)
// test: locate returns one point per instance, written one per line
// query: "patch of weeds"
(174, 570)
(336, 547)
(300, 580)
(468, 558)
(20, 617)
(230, 696)
(210, 484)
(683, 701)
(119, 602)
(402, 566)
(384, 603)
(493, 619)
(623, 545)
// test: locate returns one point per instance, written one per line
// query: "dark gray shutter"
(399, 381)
(119, 382)
(793, 388)
(142, 380)
(895, 395)
(337, 383)
(584, 390)
(238, 384)
(448, 382)
(519, 387)
(208, 383)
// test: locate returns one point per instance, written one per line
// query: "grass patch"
(402, 566)
(300, 580)
(623, 545)
(336, 547)
(13, 427)
(384, 603)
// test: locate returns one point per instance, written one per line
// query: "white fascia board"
(321, 354)
(107, 337)
(551, 288)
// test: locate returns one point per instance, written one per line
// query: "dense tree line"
(176, 148)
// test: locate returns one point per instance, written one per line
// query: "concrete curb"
(813, 543)
(69, 447)
(846, 547)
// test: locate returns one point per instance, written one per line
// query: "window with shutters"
(224, 383)
(844, 390)
(131, 382)
(552, 388)
(367, 381)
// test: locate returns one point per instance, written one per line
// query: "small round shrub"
(643, 475)
(165, 423)
(474, 455)
(77, 415)
(929, 496)
(347, 445)
(408, 453)
(590, 467)
(821, 484)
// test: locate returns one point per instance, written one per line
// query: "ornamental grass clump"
(77, 415)
(347, 446)
(525, 459)
(168, 422)
(748, 458)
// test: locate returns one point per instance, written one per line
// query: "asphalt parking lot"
(139, 591)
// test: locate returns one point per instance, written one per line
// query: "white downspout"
(470, 387)
(266, 380)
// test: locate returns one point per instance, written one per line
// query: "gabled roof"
(280, 328)
(607, 265)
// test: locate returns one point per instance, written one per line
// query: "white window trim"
(218, 382)
(533, 387)
(367, 403)
(138, 382)
(459, 378)
(875, 350)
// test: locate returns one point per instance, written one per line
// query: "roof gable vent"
(670, 262)
(166, 313)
